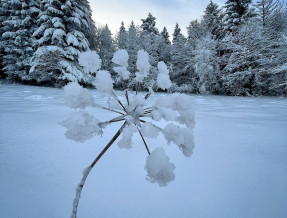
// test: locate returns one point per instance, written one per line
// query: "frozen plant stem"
(127, 97)
(144, 142)
(88, 170)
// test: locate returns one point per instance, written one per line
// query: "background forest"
(240, 49)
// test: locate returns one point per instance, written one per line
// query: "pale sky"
(167, 12)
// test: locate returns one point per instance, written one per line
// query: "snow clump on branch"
(159, 169)
(90, 60)
(121, 58)
(163, 80)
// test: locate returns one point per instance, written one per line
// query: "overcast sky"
(167, 12)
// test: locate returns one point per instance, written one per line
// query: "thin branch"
(155, 126)
(118, 100)
(117, 119)
(148, 108)
(105, 108)
(144, 141)
(147, 95)
(88, 170)
(127, 97)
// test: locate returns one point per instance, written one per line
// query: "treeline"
(240, 49)
(40, 40)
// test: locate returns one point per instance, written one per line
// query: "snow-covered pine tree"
(206, 67)
(164, 47)
(59, 41)
(148, 25)
(242, 73)
(132, 49)
(165, 35)
(234, 14)
(82, 15)
(178, 58)
(122, 37)
(266, 9)
(4, 15)
(211, 19)
(273, 20)
(16, 38)
(149, 41)
(106, 48)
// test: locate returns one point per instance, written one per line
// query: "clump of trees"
(239, 49)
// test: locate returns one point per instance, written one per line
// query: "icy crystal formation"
(135, 113)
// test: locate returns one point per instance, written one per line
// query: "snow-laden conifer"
(17, 41)
(60, 35)
(106, 48)
(122, 37)
(234, 13)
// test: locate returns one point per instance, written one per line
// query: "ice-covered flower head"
(137, 115)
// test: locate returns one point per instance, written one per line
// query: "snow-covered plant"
(136, 115)
(121, 58)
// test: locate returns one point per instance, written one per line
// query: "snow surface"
(238, 167)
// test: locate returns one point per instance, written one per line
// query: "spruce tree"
(178, 57)
(59, 41)
(132, 49)
(4, 15)
(266, 9)
(234, 14)
(148, 25)
(206, 65)
(17, 41)
(242, 74)
(106, 48)
(165, 35)
(211, 19)
(164, 47)
(150, 42)
(83, 17)
(122, 37)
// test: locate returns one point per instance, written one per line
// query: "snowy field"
(238, 169)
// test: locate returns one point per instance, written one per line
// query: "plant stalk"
(88, 170)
